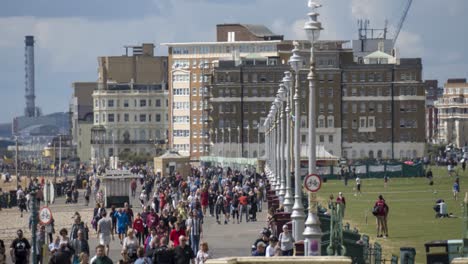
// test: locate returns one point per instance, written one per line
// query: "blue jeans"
(195, 243)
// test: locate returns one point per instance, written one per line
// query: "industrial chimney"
(30, 110)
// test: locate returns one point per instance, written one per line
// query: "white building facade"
(453, 113)
(130, 118)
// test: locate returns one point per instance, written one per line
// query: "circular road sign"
(45, 215)
(312, 182)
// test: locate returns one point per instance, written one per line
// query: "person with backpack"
(380, 211)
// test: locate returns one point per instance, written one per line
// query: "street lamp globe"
(313, 27)
(296, 60)
(278, 101)
(287, 80)
(282, 92)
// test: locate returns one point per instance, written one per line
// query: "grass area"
(411, 220)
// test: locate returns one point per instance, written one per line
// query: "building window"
(371, 107)
(354, 92)
(96, 103)
(149, 117)
(379, 107)
(330, 92)
(371, 121)
(194, 120)
(330, 108)
(354, 108)
(321, 92)
(142, 117)
(321, 122)
(194, 91)
(303, 139)
(321, 108)
(354, 124)
(142, 102)
(110, 103)
(362, 107)
(110, 118)
(330, 138)
(158, 102)
(330, 122)
(345, 123)
(362, 122)
(322, 138)
(96, 118)
(388, 123)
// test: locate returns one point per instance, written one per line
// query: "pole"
(60, 155)
(258, 140)
(288, 198)
(282, 192)
(230, 151)
(297, 215)
(239, 143)
(34, 216)
(224, 139)
(16, 163)
(248, 141)
(312, 231)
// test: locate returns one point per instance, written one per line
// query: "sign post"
(312, 244)
(45, 215)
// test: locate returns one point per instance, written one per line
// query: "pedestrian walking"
(286, 241)
(194, 230)
(79, 245)
(131, 244)
(203, 254)
(20, 249)
(104, 231)
(358, 186)
(341, 204)
(456, 189)
(138, 226)
(183, 254)
(380, 211)
(101, 257)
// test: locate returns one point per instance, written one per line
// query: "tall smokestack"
(30, 110)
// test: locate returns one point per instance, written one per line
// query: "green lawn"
(411, 219)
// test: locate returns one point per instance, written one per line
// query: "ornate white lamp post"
(312, 231)
(288, 197)
(297, 215)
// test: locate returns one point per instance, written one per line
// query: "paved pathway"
(224, 240)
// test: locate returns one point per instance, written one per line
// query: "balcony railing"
(128, 142)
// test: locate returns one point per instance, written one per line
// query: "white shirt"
(358, 180)
(270, 251)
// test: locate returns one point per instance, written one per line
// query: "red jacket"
(174, 236)
(138, 225)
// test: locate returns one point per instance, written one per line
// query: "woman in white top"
(202, 254)
(286, 241)
(130, 243)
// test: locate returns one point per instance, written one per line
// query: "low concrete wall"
(281, 260)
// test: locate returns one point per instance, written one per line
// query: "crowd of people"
(166, 227)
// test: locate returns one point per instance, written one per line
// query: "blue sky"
(71, 34)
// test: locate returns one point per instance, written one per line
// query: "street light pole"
(60, 156)
(279, 106)
(16, 163)
(239, 143)
(224, 139)
(248, 141)
(229, 131)
(297, 215)
(312, 231)
(288, 197)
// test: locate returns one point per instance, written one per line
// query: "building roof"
(171, 154)
(220, 43)
(259, 30)
(379, 55)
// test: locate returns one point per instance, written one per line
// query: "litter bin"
(407, 255)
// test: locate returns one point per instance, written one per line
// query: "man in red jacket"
(175, 234)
